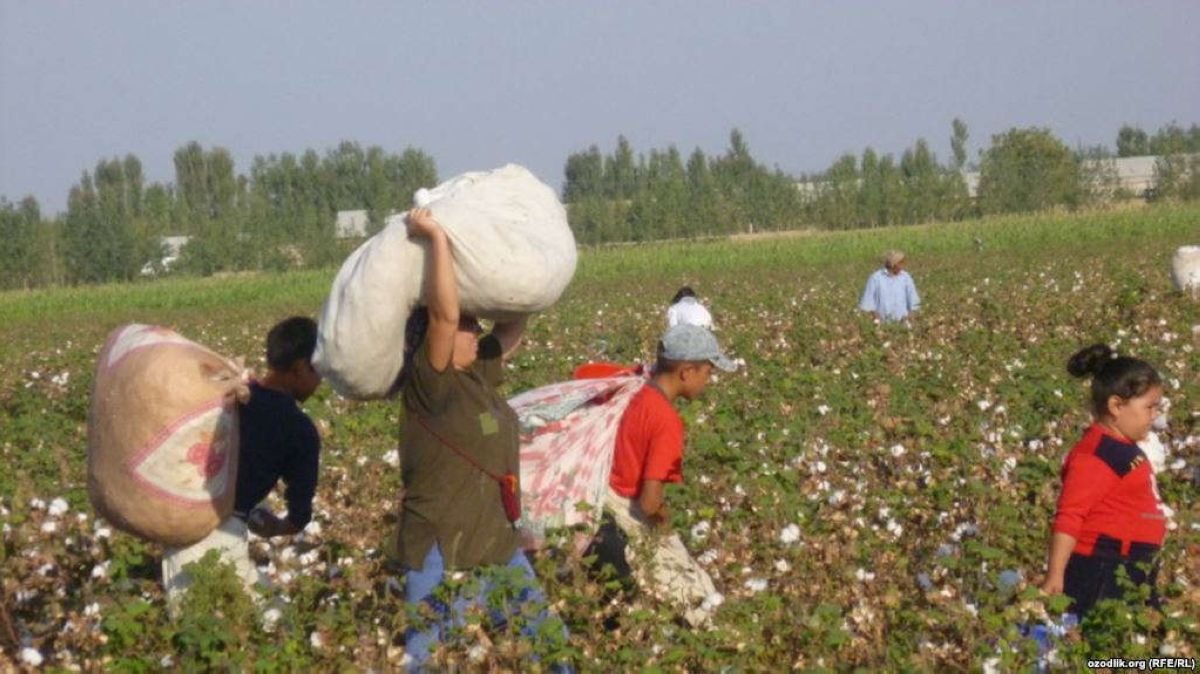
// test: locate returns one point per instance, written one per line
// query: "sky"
(480, 84)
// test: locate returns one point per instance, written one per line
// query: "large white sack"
(1185, 269)
(514, 255)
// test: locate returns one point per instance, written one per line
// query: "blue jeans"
(501, 600)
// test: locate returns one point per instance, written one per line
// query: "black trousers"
(608, 546)
(1092, 578)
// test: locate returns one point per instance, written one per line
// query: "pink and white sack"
(163, 435)
(568, 433)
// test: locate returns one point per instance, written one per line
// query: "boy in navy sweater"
(277, 441)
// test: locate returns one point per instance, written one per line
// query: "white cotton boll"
(392, 458)
(782, 566)
(700, 529)
(983, 405)
(708, 556)
(1154, 450)
(897, 451)
(1178, 464)
(477, 653)
(31, 657)
(824, 409)
(756, 584)
(92, 610)
(790, 534)
(37, 504)
(712, 601)
(49, 527)
(100, 570)
(58, 507)
(270, 619)
(309, 558)
(316, 640)
(864, 576)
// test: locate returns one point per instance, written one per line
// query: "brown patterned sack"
(163, 434)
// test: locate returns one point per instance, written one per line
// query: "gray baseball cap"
(694, 343)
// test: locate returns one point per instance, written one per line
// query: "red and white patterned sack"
(163, 435)
(568, 433)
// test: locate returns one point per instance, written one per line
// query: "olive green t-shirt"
(446, 499)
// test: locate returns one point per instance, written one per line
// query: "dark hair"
(1123, 376)
(683, 292)
(414, 335)
(291, 339)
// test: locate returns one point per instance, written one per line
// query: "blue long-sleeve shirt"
(893, 297)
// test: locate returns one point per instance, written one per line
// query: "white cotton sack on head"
(514, 255)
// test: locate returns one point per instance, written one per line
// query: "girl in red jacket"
(1109, 513)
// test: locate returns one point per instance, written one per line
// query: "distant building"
(351, 224)
(172, 246)
(1131, 175)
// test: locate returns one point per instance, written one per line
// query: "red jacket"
(1109, 489)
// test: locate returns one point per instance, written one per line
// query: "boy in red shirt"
(649, 455)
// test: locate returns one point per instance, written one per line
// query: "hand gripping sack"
(514, 254)
(163, 435)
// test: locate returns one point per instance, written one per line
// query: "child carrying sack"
(568, 431)
(163, 435)
(514, 254)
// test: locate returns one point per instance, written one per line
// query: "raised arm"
(441, 291)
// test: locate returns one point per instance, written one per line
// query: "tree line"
(281, 213)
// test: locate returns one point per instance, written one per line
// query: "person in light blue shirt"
(890, 294)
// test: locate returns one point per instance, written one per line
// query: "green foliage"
(1027, 170)
(877, 191)
(617, 198)
(21, 256)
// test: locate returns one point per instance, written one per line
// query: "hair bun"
(1089, 360)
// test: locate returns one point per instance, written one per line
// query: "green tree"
(1132, 142)
(958, 143)
(21, 258)
(584, 175)
(620, 171)
(98, 241)
(1027, 170)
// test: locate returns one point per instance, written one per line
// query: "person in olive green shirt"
(459, 445)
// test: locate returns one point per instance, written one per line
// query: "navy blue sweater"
(278, 440)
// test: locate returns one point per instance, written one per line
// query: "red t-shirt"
(1108, 489)
(649, 443)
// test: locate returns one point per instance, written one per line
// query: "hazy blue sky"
(483, 83)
